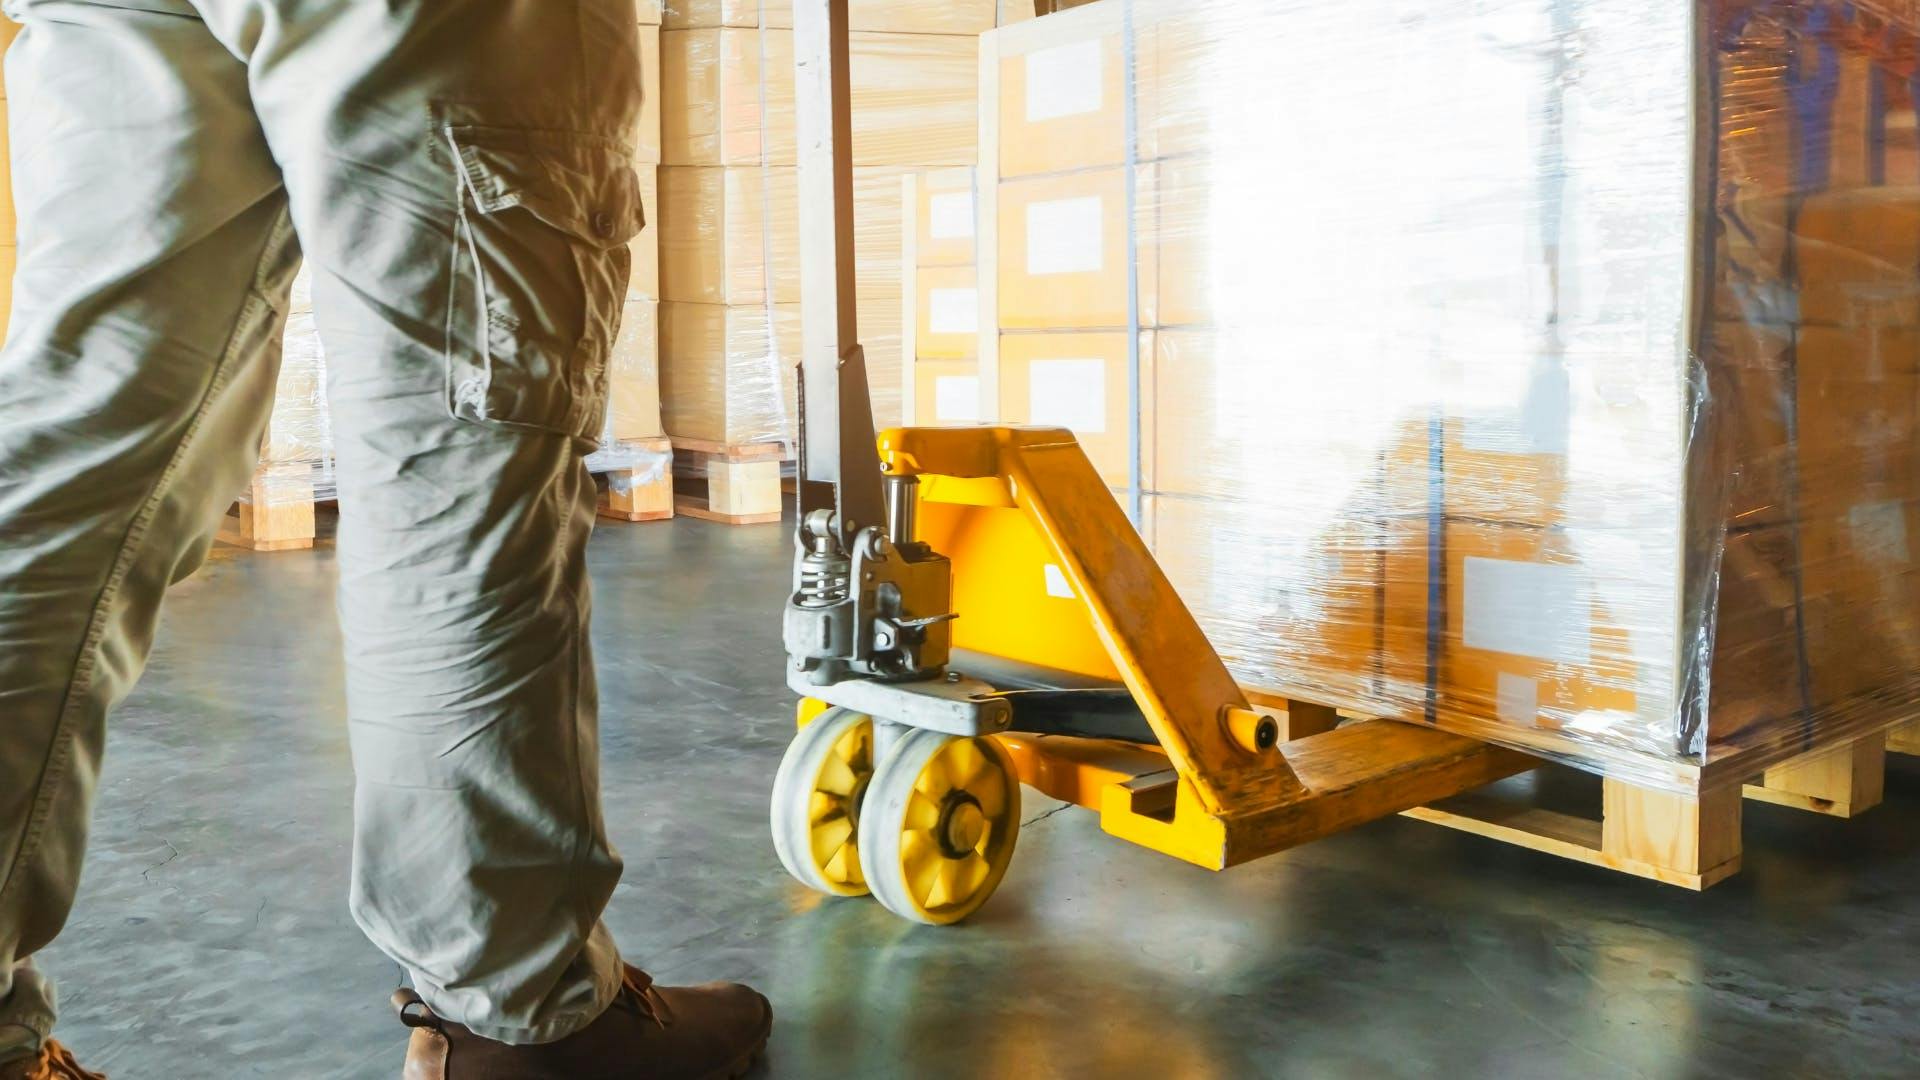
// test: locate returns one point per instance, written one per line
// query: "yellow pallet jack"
(973, 611)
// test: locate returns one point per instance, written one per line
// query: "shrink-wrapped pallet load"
(729, 217)
(1545, 370)
(730, 200)
(634, 457)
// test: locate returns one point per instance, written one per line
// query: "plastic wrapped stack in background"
(633, 407)
(296, 457)
(729, 197)
(295, 471)
(634, 453)
(1542, 369)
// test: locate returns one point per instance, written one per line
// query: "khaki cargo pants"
(456, 172)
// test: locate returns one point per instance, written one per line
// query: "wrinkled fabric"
(457, 174)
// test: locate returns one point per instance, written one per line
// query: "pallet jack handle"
(839, 464)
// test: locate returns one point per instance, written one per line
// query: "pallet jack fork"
(973, 611)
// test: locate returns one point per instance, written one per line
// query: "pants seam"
(60, 752)
(591, 828)
(606, 989)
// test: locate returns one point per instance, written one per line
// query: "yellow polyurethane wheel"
(808, 711)
(938, 827)
(816, 802)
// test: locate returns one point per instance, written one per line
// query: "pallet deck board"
(1676, 833)
(729, 484)
(1674, 839)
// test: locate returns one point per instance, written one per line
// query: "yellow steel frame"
(1048, 570)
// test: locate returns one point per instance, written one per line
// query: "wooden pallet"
(733, 485)
(280, 519)
(1692, 841)
(1842, 781)
(639, 496)
(1687, 839)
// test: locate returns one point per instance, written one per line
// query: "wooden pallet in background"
(733, 485)
(276, 518)
(631, 495)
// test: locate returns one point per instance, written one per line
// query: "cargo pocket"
(539, 270)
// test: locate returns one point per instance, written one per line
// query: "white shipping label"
(1527, 609)
(1066, 236)
(1539, 428)
(956, 399)
(1493, 435)
(1880, 533)
(953, 311)
(950, 216)
(1068, 393)
(1538, 424)
(1517, 699)
(1064, 81)
(1057, 584)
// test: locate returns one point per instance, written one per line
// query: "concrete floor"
(212, 938)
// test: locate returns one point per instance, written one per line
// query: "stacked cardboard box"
(296, 454)
(634, 456)
(1819, 443)
(1426, 417)
(940, 381)
(1815, 348)
(633, 407)
(729, 210)
(1061, 328)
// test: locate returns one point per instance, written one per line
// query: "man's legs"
(155, 255)
(459, 174)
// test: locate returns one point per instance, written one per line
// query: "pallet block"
(631, 496)
(1842, 781)
(733, 485)
(284, 522)
(1904, 738)
(1692, 841)
(1689, 841)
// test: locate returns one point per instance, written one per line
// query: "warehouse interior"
(1399, 949)
(1111, 555)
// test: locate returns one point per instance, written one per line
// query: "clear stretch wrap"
(729, 196)
(633, 448)
(296, 456)
(1542, 369)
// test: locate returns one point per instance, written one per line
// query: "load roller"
(972, 611)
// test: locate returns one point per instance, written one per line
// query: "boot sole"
(740, 1066)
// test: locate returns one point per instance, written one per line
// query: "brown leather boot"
(54, 1062)
(710, 1032)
